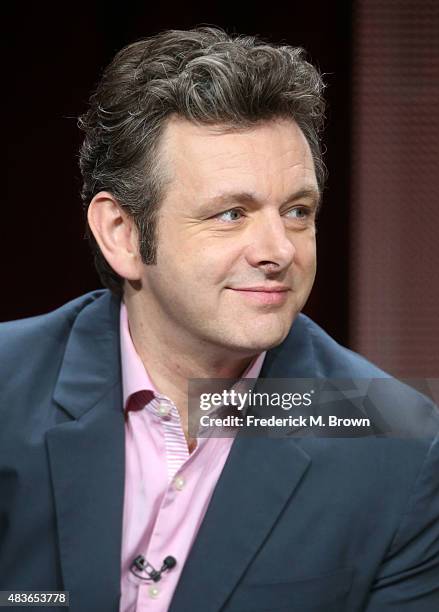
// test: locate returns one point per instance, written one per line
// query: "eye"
(300, 213)
(234, 214)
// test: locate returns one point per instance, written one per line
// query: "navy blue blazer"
(305, 524)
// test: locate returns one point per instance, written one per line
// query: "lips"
(263, 295)
(262, 289)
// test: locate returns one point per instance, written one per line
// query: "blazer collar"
(91, 364)
(295, 357)
(87, 458)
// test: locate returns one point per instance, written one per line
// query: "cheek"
(209, 262)
(306, 252)
(194, 264)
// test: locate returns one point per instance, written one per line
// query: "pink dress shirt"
(167, 489)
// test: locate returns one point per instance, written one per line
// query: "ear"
(116, 235)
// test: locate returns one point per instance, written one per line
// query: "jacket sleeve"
(408, 579)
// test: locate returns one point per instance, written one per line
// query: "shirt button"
(153, 591)
(179, 483)
(164, 410)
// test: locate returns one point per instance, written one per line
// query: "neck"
(171, 359)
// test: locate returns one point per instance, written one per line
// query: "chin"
(252, 336)
(260, 341)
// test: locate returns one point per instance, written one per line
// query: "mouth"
(263, 295)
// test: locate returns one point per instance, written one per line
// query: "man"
(202, 181)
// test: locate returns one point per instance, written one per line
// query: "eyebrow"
(245, 197)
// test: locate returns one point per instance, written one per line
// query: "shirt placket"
(177, 455)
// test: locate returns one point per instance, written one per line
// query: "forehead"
(270, 156)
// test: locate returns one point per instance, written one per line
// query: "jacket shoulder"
(49, 332)
(400, 408)
(335, 360)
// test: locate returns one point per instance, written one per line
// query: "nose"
(270, 247)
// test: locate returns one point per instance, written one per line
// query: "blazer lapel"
(87, 458)
(258, 479)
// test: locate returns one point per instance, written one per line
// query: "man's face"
(236, 256)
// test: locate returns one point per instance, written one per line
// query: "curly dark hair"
(205, 76)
